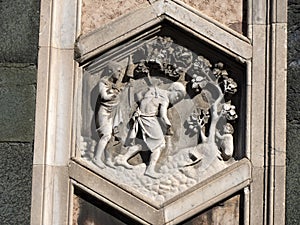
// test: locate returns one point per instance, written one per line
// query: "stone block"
(15, 182)
(229, 12)
(17, 102)
(97, 13)
(293, 75)
(38, 173)
(19, 30)
(87, 209)
(210, 191)
(279, 197)
(293, 107)
(215, 33)
(41, 110)
(225, 212)
(113, 195)
(281, 9)
(292, 175)
(293, 81)
(58, 105)
(279, 68)
(101, 39)
(258, 92)
(17, 74)
(58, 31)
(257, 196)
(259, 12)
(52, 185)
(293, 115)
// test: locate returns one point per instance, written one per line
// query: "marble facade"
(223, 55)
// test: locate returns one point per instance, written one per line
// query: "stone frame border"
(175, 210)
(57, 79)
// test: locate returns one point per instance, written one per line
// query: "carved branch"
(215, 116)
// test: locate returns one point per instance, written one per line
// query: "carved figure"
(108, 117)
(226, 140)
(151, 105)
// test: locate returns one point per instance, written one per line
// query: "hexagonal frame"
(149, 21)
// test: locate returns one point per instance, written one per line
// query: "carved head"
(228, 128)
(114, 70)
(176, 92)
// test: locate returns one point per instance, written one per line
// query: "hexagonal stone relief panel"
(162, 114)
(160, 118)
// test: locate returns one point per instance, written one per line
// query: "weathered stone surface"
(229, 12)
(177, 209)
(17, 74)
(97, 13)
(55, 210)
(15, 182)
(227, 212)
(19, 30)
(88, 210)
(18, 44)
(293, 114)
(293, 168)
(17, 102)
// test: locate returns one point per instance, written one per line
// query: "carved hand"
(170, 131)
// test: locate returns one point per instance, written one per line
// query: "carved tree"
(177, 63)
(215, 82)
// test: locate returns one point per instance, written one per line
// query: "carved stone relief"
(161, 123)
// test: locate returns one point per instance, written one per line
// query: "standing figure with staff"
(108, 116)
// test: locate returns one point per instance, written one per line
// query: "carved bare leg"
(100, 149)
(109, 161)
(108, 155)
(121, 160)
(150, 171)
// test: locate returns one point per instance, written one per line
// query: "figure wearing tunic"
(153, 105)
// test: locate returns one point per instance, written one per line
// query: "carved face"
(115, 71)
(175, 96)
(228, 129)
(176, 92)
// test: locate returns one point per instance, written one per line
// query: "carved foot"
(121, 161)
(152, 174)
(219, 156)
(99, 163)
(110, 163)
